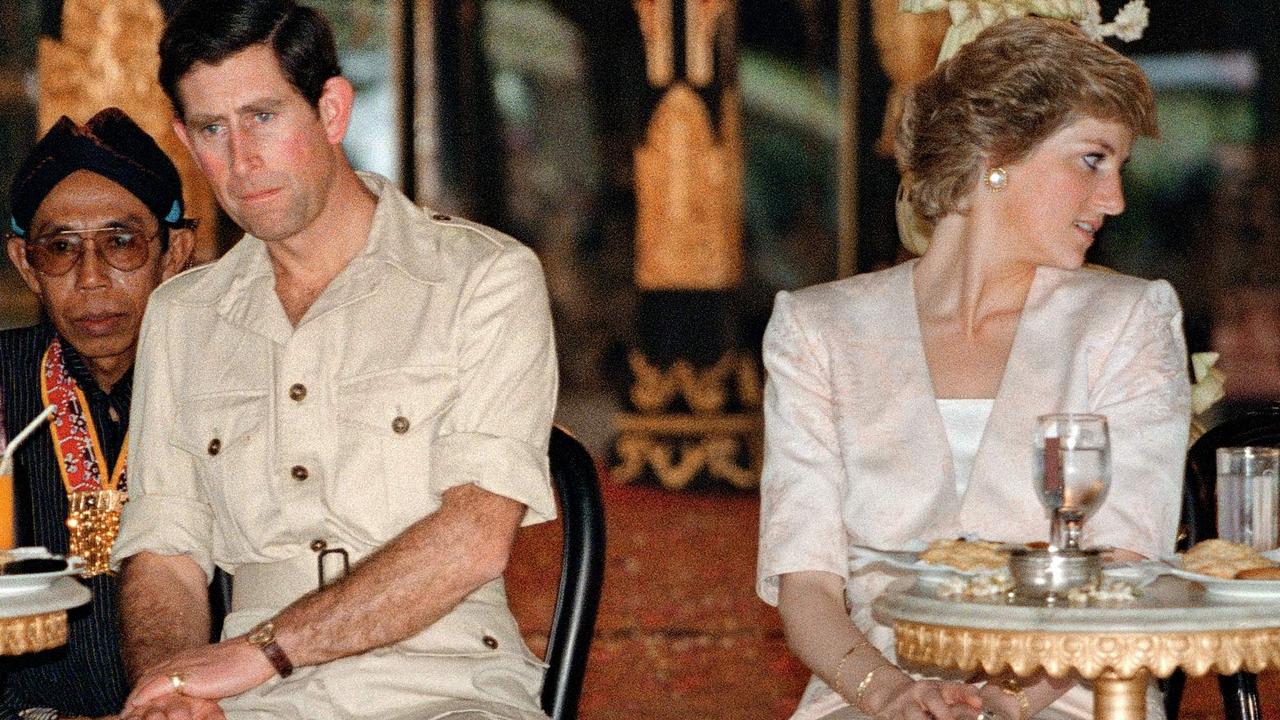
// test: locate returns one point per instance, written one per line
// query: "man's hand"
(175, 707)
(211, 672)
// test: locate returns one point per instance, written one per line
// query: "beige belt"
(271, 586)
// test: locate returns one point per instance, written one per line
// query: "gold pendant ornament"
(93, 522)
(95, 491)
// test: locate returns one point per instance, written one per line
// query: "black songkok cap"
(110, 144)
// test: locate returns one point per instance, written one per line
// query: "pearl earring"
(997, 178)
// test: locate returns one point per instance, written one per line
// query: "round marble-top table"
(37, 620)
(1173, 624)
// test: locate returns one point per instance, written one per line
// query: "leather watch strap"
(264, 638)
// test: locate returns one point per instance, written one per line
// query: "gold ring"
(178, 681)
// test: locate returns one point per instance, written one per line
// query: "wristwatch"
(263, 637)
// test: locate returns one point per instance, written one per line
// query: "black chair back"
(1199, 521)
(581, 574)
(219, 602)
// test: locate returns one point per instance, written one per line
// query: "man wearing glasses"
(97, 224)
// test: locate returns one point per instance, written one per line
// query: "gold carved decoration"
(688, 224)
(1091, 655)
(704, 390)
(712, 444)
(659, 41)
(688, 177)
(32, 633)
(908, 46)
(108, 57)
(703, 19)
(677, 446)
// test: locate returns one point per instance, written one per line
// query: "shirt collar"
(403, 235)
(402, 238)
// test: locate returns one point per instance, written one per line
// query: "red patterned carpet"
(681, 634)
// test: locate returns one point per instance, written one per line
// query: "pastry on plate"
(966, 554)
(1266, 573)
(1222, 559)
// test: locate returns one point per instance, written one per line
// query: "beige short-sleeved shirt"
(427, 363)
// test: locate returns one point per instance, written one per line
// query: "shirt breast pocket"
(226, 435)
(390, 420)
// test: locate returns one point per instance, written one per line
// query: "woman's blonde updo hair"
(1000, 96)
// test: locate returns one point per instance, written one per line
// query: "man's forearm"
(164, 609)
(407, 585)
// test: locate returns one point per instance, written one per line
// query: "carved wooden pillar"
(908, 45)
(107, 57)
(695, 394)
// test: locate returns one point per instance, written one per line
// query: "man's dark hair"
(210, 31)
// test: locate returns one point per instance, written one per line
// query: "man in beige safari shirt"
(355, 382)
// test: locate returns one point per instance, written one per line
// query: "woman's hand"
(910, 699)
(1004, 703)
(1122, 555)
(1021, 698)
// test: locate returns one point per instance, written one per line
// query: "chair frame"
(581, 574)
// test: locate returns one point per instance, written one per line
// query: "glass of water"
(1248, 494)
(1073, 471)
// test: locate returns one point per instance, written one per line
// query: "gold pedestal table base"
(1174, 624)
(37, 620)
(33, 633)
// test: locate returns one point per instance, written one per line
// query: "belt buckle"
(322, 576)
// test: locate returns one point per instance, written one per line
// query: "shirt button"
(318, 545)
(215, 446)
(490, 642)
(297, 392)
(299, 473)
(400, 425)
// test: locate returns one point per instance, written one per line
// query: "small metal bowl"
(1044, 574)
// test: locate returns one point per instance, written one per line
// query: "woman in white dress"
(900, 405)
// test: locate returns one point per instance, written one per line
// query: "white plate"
(1138, 573)
(910, 561)
(1221, 587)
(22, 584)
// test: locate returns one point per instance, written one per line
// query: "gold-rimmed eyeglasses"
(120, 246)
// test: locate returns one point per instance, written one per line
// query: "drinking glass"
(1073, 471)
(1248, 495)
(8, 515)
